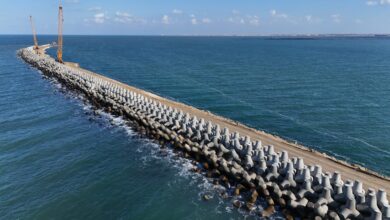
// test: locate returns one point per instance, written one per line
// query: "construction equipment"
(60, 38)
(34, 34)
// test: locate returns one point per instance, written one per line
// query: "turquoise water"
(60, 161)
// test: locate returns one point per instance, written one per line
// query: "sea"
(60, 159)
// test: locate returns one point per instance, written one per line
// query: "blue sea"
(61, 160)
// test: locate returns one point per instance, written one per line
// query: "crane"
(60, 38)
(34, 34)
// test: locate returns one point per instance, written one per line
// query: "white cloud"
(278, 16)
(241, 19)
(95, 9)
(377, 2)
(311, 19)
(165, 19)
(358, 21)
(235, 20)
(124, 17)
(194, 21)
(100, 18)
(275, 14)
(206, 20)
(235, 12)
(253, 20)
(236, 17)
(371, 3)
(177, 11)
(336, 18)
(72, 1)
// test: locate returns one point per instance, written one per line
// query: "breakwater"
(252, 166)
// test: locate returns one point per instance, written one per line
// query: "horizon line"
(218, 35)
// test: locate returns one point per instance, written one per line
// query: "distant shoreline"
(281, 36)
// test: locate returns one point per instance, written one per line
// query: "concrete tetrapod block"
(325, 197)
(349, 210)
(201, 125)
(338, 190)
(269, 150)
(382, 198)
(370, 207)
(273, 159)
(289, 167)
(273, 173)
(321, 210)
(248, 162)
(262, 167)
(317, 175)
(325, 183)
(386, 212)
(299, 165)
(259, 155)
(226, 140)
(257, 145)
(306, 191)
(225, 132)
(284, 157)
(301, 177)
(248, 150)
(235, 155)
(347, 192)
(249, 177)
(222, 150)
(209, 127)
(289, 181)
(236, 144)
(298, 204)
(206, 137)
(194, 123)
(359, 192)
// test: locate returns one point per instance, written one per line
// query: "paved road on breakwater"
(310, 157)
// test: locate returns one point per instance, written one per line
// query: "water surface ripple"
(60, 161)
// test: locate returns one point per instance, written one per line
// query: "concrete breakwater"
(255, 167)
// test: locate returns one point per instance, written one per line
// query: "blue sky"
(197, 17)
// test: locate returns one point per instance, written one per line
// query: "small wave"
(151, 151)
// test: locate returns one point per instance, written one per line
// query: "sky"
(197, 17)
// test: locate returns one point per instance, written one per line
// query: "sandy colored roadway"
(369, 178)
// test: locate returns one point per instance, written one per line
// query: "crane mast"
(34, 33)
(60, 38)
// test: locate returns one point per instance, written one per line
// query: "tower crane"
(34, 34)
(60, 38)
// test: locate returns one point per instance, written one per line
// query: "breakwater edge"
(268, 166)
